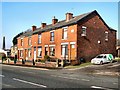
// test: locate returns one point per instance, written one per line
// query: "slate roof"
(63, 23)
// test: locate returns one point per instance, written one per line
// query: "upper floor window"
(52, 51)
(106, 36)
(39, 38)
(21, 42)
(29, 41)
(39, 51)
(64, 33)
(83, 31)
(52, 36)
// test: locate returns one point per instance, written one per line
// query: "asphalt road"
(29, 77)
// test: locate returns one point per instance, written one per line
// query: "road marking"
(97, 87)
(70, 78)
(85, 79)
(27, 72)
(2, 76)
(65, 77)
(35, 84)
(115, 83)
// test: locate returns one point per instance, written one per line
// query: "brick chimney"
(43, 25)
(54, 20)
(34, 28)
(69, 16)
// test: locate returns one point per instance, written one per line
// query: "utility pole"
(3, 43)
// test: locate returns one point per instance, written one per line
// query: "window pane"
(52, 51)
(39, 38)
(39, 51)
(51, 36)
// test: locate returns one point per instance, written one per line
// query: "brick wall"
(88, 46)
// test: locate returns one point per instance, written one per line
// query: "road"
(29, 77)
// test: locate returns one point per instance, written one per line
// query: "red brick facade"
(78, 45)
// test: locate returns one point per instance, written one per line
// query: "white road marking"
(65, 77)
(97, 87)
(70, 78)
(29, 83)
(115, 83)
(2, 75)
(27, 72)
(85, 79)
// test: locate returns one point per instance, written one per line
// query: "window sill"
(64, 39)
(52, 41)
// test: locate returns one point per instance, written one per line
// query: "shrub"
(46, 58)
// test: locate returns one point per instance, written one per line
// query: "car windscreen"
(99, 57)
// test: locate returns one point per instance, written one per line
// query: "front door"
(34, 53)
(72, 52)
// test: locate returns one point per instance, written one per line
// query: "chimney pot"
(69, 16)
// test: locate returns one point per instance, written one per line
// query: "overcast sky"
(20, 16)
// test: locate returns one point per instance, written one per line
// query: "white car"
(102, 58)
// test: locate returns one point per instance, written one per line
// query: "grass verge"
(78, 66)
(117, 59)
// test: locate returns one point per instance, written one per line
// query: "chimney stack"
(43, 25)
(3, 43)
(34, 28)
(54, 20)
(69, 16)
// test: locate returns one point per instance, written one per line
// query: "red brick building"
(85, 36)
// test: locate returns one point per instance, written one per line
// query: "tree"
(15, 38)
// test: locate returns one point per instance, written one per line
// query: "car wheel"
(101, 63)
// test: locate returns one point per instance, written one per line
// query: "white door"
(34, 53)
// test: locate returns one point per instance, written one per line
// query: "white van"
(102, 58)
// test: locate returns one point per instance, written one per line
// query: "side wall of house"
(94, 42)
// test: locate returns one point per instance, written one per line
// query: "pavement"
(30, 77)
(111, 69)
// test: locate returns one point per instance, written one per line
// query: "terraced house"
(82, 36)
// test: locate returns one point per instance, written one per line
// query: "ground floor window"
(46, 50)
(39, 51)
(21, 53)
(52, 51)
(64, 50)
(29, 53)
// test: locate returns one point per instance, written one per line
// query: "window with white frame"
(64, 33)
(29, 41)
(29, 53)
(83, 31)
(21, 53)
(39, 51)
(21, 42)
(52, 51)
(64, 50)
(106, 36)
(52, 36)
(39, 38)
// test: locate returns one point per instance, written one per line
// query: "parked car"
(102, 58)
